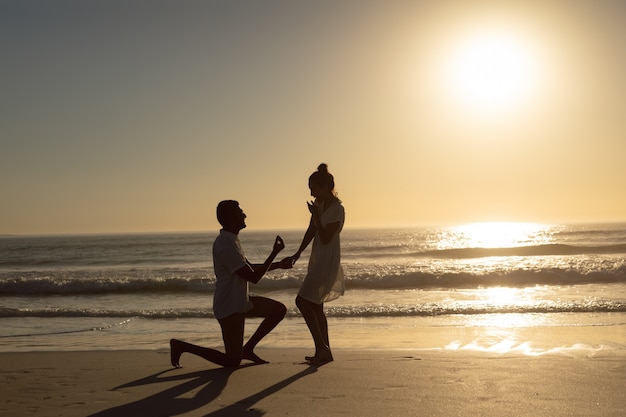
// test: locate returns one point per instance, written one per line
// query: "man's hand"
(278, 244)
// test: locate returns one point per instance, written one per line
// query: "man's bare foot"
(251, 356)
(175, 352)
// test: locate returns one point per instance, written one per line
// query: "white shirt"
(231, 291)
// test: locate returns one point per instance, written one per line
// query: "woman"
(324, 279)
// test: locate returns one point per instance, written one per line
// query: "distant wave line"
(365, 311)
(373, 280)
(382, 251)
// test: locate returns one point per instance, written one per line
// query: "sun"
(491, 70)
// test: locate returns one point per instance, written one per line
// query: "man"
(231, 301)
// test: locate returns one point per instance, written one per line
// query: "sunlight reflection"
(506, 297)
(496, 235)
(500, 296)
(526, 334)
(511, 346)
(504, 305)
(506, 320)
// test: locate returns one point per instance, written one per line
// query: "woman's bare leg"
(318, 326)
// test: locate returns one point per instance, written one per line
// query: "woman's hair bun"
(322, 177)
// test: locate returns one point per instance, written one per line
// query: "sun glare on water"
(498, 235)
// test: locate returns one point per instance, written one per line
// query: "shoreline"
(531, 334)
(365, 383)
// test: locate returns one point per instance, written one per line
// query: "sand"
(367, 383)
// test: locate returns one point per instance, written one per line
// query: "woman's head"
(322, 180)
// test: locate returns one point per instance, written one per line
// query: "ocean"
(496, 287)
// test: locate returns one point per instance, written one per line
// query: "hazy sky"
(121, 116)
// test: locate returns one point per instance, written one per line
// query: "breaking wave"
(379, 277)
(352, 311)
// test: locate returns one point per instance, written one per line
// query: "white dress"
(324, 280)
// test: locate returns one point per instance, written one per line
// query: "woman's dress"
(324, 280)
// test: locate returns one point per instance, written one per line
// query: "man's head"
(231, 216)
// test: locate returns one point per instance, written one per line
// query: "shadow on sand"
(210, 383)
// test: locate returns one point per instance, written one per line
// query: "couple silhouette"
(232, 303)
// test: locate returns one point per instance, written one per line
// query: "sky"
(141, 115)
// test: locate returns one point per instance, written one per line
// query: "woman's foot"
(175, 352)
(320, 358)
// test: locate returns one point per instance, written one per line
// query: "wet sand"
(357, 383)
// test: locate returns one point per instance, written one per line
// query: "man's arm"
(254, 272)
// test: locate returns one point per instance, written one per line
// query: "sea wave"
(382, 278)
(507, 278)
(86, 286)
(346, 311)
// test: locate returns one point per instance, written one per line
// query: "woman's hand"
(311, 206)
(294, 258)
(286, 263)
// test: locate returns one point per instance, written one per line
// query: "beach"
(357, 383)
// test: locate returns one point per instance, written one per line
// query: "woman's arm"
(325, 232)
(308, 237)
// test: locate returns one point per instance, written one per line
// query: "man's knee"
(280, 310)
(266, 307)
